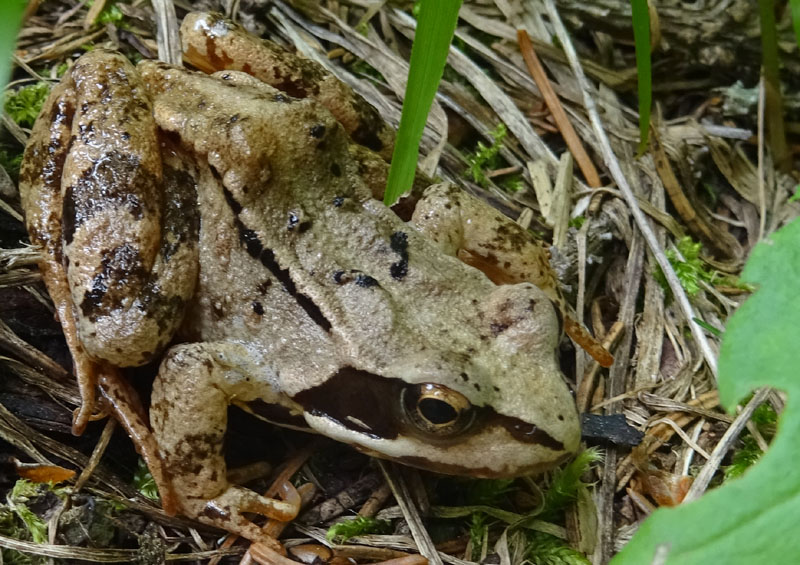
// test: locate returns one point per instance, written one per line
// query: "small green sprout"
(796, 196)
(111, 14)
(691, 271)
(143, 481)
(25, 104)
(359, 526)
(544, 549)
(567, 482)
(478, 531)
(577, 222)
(486, 156)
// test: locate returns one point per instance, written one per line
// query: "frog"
(230, 231)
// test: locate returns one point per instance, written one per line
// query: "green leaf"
(641, 40)
(435, 28)
(10, 16)
(752, 519)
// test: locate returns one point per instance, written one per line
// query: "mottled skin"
(300, 297)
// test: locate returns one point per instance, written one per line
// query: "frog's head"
(492, 404)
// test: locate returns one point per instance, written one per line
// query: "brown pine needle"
(559, 115)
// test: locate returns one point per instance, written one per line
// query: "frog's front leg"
(482, 237)
(112, 205)
(188, 414)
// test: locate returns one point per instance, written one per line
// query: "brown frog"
(225, 227)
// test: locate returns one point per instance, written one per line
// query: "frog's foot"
(482, 237)
(227, 511)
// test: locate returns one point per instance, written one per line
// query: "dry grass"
(699, 178)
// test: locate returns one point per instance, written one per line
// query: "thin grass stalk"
(435, 27)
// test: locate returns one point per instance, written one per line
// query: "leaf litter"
(697, 186)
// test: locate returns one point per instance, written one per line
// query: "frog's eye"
(437, 410)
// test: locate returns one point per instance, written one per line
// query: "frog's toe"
(228, 510)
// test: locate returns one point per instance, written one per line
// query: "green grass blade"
(10, 16)
(435, 27)
(795, 5)
(641, 39)
(773, 109)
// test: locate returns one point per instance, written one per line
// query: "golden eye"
(437, 410)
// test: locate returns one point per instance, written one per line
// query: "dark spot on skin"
(498, 328)
(267, 259)
(255, 249)
(218, 312)
(264, 286)
(115, 181)
(464, 377)
(365, 281)
(125, 135)
(258, 308)
(120, 267)
(365, 134)
(180, 218)
(477, 386)
(560, 417)
(317, 131)
(217, 514)
(495, 388)
(304, 226)
(336, 170)
(399, 244)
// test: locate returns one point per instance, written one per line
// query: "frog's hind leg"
(116, 224)
(188, 414)
(40, 192)
(482, 237)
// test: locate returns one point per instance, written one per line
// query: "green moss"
(544, 549)
(692, 270)
(486, 156)
(24, 105)
(359, 526)
(567, 482)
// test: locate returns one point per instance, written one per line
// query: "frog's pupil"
(437, 411)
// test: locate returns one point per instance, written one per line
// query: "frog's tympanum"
(223, 226)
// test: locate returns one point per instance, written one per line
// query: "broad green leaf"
(435, 27)
(641, 39)
(10, 15)
(753, 519)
